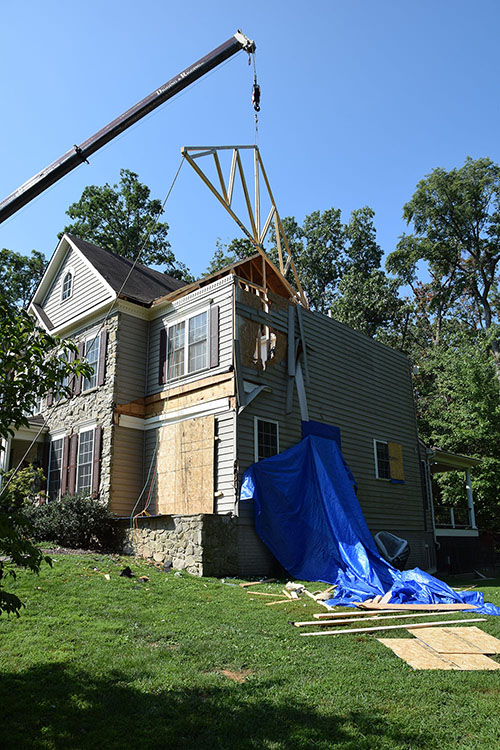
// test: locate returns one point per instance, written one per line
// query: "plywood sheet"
(444, 641)
(472, 661)
(186, 467)
(416, 654)
(485, 642)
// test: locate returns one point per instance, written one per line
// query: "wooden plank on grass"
(416, 607)
(444, 641)
(416, 654)
(487, 643)
(392, 627)
(472, 661)
(390, 616)
(279, 601)
(257, 583)
(351, 613)
(264, 593)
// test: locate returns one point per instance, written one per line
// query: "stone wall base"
(202, 544)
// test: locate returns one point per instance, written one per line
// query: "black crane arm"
(78, 154)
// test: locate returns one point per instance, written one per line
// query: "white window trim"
(375, 457)
(256, 421)
(81, 430)
(174, 321)
(68, 270)
(90, 337)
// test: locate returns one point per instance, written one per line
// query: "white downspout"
(470, 499)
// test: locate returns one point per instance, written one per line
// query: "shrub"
(76, 521)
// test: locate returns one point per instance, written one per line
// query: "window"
(55, 469)
(389, 461)
(67, 286)
(92, 356)
(266, 438)
(382, 465)
(187, 353)
(85, 460)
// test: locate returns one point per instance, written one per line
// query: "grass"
(182, 662)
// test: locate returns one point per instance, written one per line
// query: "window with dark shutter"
(73, 452)
(78, 380)
(64, 474)
(96, 465)
(214, 336)
(162, 365)
(101, 365)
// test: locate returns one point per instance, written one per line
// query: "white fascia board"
(217, 406)
(28, 433)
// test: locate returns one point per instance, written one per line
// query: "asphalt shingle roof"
(144, 285)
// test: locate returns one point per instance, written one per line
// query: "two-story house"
(192, 384)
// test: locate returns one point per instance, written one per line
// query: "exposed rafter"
(254, 230)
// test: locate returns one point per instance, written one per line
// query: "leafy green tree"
(20, 275)
(458, 410)
(456, 220)
(31, 365)
(120, 217)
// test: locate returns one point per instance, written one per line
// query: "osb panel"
(416, 654)
(186, 467)
(199, 396)
(278, 302)
(250, 299)
(248, 334)
(473, 661)
(444, 641)
(281, 348)
(485, 642)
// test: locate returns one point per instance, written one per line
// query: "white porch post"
(470, 499)
(5, 455)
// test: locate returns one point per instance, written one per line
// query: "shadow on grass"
(56, 706)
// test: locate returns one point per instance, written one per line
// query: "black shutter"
(162, 364)
(45, 463)
(73, 453)
(214, 336)
(64, 475)
(101, 365)
(96, 462)
(78, 380)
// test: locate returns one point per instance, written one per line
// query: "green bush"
(76, 521)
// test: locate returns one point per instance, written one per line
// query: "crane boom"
(78, 154)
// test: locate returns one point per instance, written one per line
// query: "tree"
(456, 218)
(120, 217)
(32, 363)
(20, 275)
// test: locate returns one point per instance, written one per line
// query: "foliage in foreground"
(15, 530)
(75, 521)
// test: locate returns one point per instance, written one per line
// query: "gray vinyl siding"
(219, 293)
(132, 349)
(225, 454)
(88, 291)
(127, 469)
(362, 387)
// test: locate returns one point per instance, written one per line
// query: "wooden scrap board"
(444, 641)
(420, 656)
(462, 648)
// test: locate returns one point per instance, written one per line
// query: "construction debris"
(369, 604)
(393, 627)
(462, 648)
(360, 618)
(257, 583)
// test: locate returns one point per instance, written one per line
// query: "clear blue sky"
(360, 99)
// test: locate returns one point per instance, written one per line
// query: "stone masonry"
(201, 544)
(96, 404)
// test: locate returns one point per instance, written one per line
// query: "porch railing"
(452, 517)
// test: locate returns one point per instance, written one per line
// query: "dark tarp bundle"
(308, 515)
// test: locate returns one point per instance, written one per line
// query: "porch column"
(470, 499)
(4, 455)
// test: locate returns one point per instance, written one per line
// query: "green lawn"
(98, 664)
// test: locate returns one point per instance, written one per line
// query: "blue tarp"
(308, 515)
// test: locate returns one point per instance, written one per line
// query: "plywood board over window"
(186, 467)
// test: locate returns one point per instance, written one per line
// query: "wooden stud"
(257, 583)
(416, 607)
(393, 627)
(346, 621)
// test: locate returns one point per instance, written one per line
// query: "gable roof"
(144, 284)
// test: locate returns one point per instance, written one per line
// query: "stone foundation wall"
(201, 544)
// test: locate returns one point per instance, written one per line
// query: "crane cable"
(151, 229)
(255, 96)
